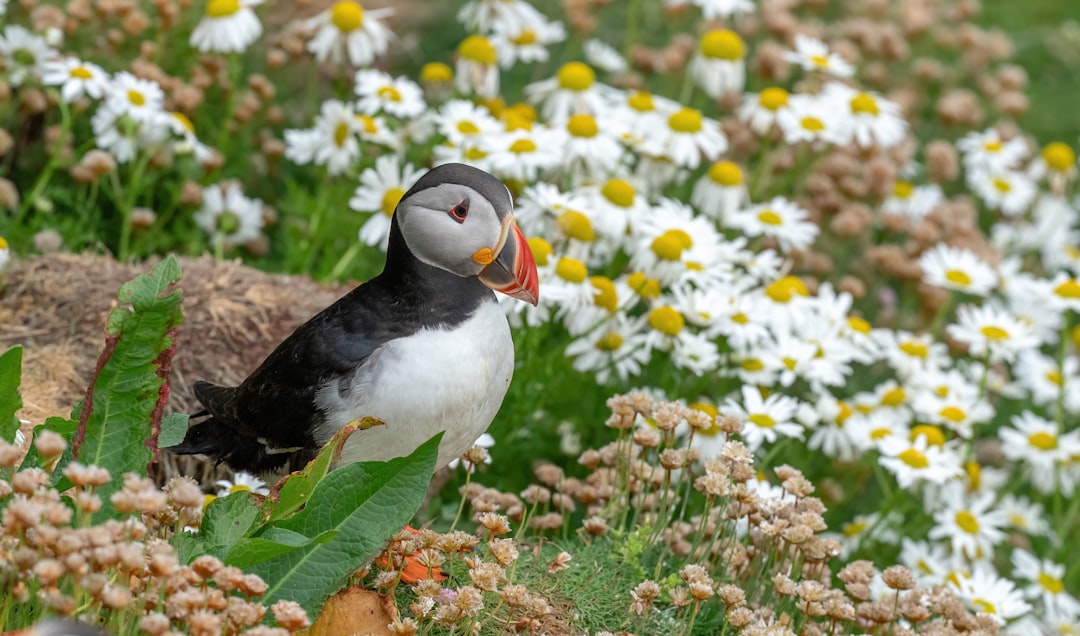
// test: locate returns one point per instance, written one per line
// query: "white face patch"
(436, 238)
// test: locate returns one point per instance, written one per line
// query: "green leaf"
(272, 543)
(66, 429)
(229, 519)
(295, 490)
(120, 418)
(366, 502)
(173, 428)
(10, 400)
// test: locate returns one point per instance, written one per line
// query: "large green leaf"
(120, 418)
(295, 490)
(10, 401)
(366, 503)
(272, 543)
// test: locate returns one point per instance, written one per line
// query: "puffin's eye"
(460, 211)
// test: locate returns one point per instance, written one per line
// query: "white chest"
(435, 380)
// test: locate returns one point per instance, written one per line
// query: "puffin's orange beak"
(513, 272)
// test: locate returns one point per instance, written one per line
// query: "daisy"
(766, 418)
(973, 526)
(593, 144)
(911, 201)
(930, 562)
(1046, 582)
(75, 78)
(1025, 515)
(1034, 442)
(477, 69)
(1045, 379)
(228, 26)
(839, 432)
(381, 188)
(573, 90)
(241, 482)
(5, 253)
(602, 56)
(397, 96)
(1009, 191)
(346, 29)
(813, 55)
(189, 142)
(957, 269)
(987, 152)
(337, 128)
(960, 411)
(915, 461)
(719, 66)
(724, 9)
(863, 529)
(570, 289)
(617, 205)
(689, 350)
(487, 15)
(810, 119)
(1056, 163)
(485, 441)
(141, 100)
(526, 44)
(540, 204)
(672, 243)
(780, 219)
(760, 110)
(868, 118)
(991, 595)
(24, 54)
(720, 191)
(229, 216)
(989, 331)
(684, 137)
(523, 154)
(616, 349)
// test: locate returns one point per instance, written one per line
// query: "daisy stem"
(761, 175)
(633, 11)
(942, 313)
(461, 504)
(127, 202)
(46, 173)
(235, 71)
(345, 260)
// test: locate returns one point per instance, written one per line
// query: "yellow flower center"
(3, 243)
(1051, 583)
(436, 72)
(864, 103)
(953, 414)
(915, 349)
(1054, 377)
(762, 420)
(974, 474)
(1069, 288)
(769, 217)
(752, 364)
(370, 127)
(1043, 440)
(207, 500)
(893, 397)
(184, 121)
(983, 606)
(845, 412)
(347, 15)
(135, 97)
(914, 457)
(466, 127)
(723, 44)
(786, 288)
(239, 488)
(522, 146)
(477, 48)
(341, 134)
(647, 288)
(576, 76)
(669, 246)
(221, 8)
(81, 72)
(685, 120)
(1059, 156)
(958, 277)
(726, 173)
(858, 324)
(1002, 185)
(541, 250)
(619, 192)
(992, 145)
(934, 435)
(610, 341)
(773, 98)
(883, 432)
(582, 126)
(641, 102)
(390, 200)
(576, 225)
(813, 124)
(666, 320)
(389, 93)
(994, 333)
(967, 522)
(903, 189)
(475, 154)
(789, 363)
(740, 318)
(854, 528)
(605, 294)
(571, 270)
(820, 61)
(525, 38)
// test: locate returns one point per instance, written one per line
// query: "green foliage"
(10, 401)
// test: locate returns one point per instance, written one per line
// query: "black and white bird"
(423, 347)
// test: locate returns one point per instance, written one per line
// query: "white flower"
(766, 419)
(957, 268)
(601, 55)
(1009, 191)
(869, 119)
(973, 526)
(1045, 379)
(991, 595)
(616, 349)
(229, 26)
(780, 219)
(229, 216)
(1025, 515)
(346, 29)
(379, 192)
(720, 191)
(487, 15)
(397, 96)
(813, 55)
(719, 65)
(484, 441)
(188, 142)
(573, 90)
(461, 122)
(75, 78)
(1034, 443)
(5, 253)
(477, 67)
(139, 99)
(811, 119)
(684, 137)
(337, 145)
(525, 44)
(912, 462)
(722, 9)
(592, 145)
(672, 244)
(523, 154)
(1046, 582)
(989, 331)
(987, 152)
(911, 201)
(23, 53)
(241, 482)
(761, 110)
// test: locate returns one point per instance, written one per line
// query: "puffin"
(423, 347)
